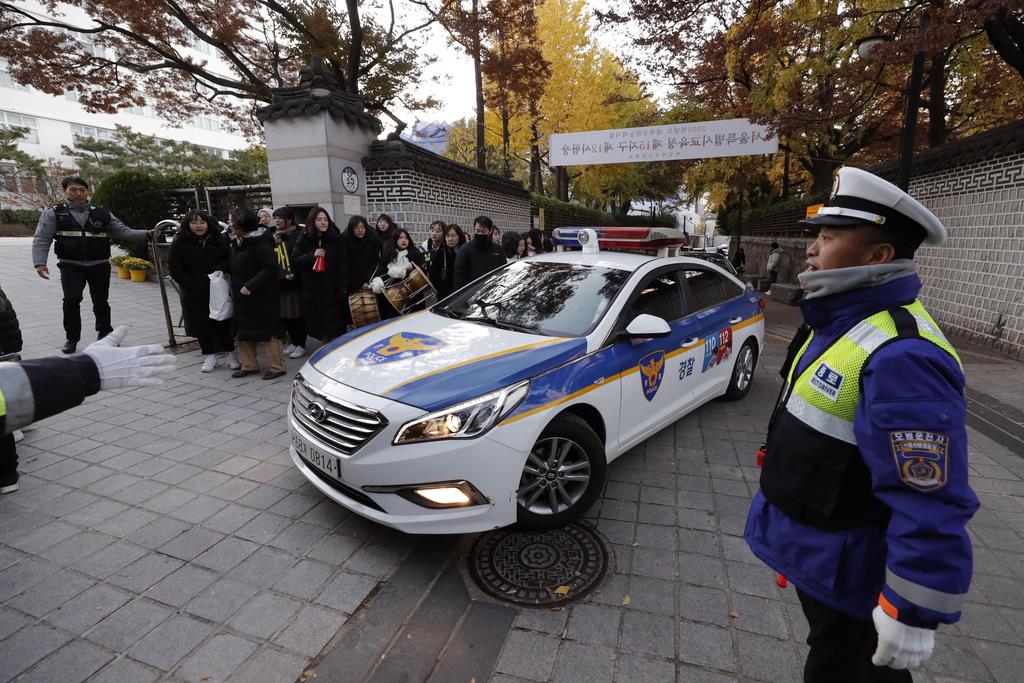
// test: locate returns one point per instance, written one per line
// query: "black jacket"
(385, 238)
(475, 259)
(191, 259)
(414, 255)
(253, 265)
(442, 271)
(324, 295)
(10, 329)
(363, 259)
(288, 242)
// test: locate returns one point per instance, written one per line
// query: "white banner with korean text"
(698, 140)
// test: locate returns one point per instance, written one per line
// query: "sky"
(454, 73)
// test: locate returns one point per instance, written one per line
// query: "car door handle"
(737, 319)
(689, 342)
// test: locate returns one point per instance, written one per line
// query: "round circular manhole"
(539, 568)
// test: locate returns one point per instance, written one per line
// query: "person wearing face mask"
(285, 237)
(479, 256)
(396, 263)
(199, 249)
(442, 266)
(864, 497)
(82, 232)
(319, 256)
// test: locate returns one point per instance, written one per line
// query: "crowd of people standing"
(292, 283)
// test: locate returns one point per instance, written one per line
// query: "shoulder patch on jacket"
(921, 458)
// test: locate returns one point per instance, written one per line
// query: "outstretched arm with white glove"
(38, 388)
(900, 646)
(130, 365)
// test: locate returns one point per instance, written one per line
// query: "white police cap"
(861, 197)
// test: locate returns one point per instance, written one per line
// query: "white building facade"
(56, 121)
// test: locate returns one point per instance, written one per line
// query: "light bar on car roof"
(641, 239)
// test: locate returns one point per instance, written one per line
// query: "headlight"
(465, 420)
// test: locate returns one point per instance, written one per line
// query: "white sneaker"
(210, 363)
(296, 352)
(18, 435)
(288, 349)
(233, 361)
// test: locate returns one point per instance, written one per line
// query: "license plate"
(312, 454)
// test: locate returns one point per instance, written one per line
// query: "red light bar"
(625, 237)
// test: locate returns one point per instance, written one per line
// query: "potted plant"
(138, 268)
(122, 270)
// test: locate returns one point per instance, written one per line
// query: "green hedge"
(26, 217)
(137, 199)
(557, 213)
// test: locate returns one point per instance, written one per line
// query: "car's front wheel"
(742, 372)
(563, 474)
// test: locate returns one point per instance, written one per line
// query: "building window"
(71, 96)
(8, 119)
(205, 122)
(146, 111)
(91, 132)
(86, 43)
(6, 80)
(199, 45)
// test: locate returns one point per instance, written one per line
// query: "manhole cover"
(539, 568)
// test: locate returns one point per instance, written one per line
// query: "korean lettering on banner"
(690, 141)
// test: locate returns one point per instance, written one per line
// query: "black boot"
(69, 346)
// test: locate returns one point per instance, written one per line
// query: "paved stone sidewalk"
(162, 534)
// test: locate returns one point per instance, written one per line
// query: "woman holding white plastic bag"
(197, 251)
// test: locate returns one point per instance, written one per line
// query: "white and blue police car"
(506, 401)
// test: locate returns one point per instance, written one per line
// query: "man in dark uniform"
(864, 498)
(479, 256)
(83, 233)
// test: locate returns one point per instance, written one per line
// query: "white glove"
(396, 271)
(130, 366)
(900, 646)
(377, 285)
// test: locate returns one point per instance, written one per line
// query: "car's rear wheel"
(742, 372)
(563, 474)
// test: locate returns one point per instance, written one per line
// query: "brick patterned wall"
(974, 283)
(415, 199)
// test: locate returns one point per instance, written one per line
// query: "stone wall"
(415, 199)
(974, 283)
(416, 187)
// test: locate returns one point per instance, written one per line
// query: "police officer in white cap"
(864, 498)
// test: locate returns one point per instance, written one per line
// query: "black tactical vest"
(75, 242)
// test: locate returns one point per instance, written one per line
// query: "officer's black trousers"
(841, 648)
(8, 455)
(73, 279)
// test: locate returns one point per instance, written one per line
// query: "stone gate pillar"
(317, 135)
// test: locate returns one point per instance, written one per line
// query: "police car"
(506, 401)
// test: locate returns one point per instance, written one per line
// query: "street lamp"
(865, 46)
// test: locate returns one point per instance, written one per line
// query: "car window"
(555, 299)
(708, 288)
(660, 295)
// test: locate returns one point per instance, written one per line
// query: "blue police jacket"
(918, 563)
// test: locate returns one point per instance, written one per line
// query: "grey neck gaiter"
(819, 283)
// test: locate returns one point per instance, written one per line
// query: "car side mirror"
(646, 326)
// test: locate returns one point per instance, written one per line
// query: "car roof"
(622, 260)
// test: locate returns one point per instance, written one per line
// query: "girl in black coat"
(285, 237)
(256, 291)
(396, 263)
(442, 265)
(324, 293)
(386, 229)
(363, 250)
(198, 250)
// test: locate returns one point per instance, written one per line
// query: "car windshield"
(552, 299)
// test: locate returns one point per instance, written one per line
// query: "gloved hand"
(900, 646)
(129, 366)
(377, 285)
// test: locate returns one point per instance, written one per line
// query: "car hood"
(431, 362)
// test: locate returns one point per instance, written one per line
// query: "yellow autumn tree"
(587, 88)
